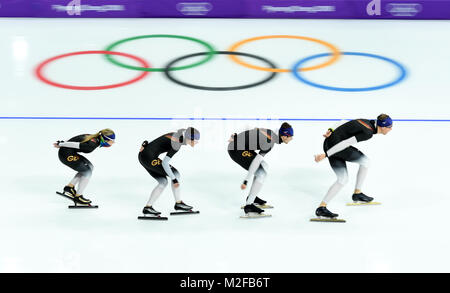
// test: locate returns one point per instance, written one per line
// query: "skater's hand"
(144, 144)
(327, 134)
(232, 137)
(56, 145)
(176, 185)
(319, 158)
(244, 184)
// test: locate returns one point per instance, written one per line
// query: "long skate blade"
(184, 213)
(64, 195)
(331, 220)
(264, 206)
(83, 207)
(255, 215)
(158, 218)
(77, 206)
(372, 203)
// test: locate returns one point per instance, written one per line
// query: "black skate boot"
(251, 208)
(150, 211)
(151, 214)
(361, 197)
(79, 199)
(324, 215)
(259, 201)
(324, 212)
(181, 206)
(69, 191)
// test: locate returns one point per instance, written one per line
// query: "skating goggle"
(385, 123)
(192, 134)
(287, 132)
(298, 70)
(104, 140)
(194, 137)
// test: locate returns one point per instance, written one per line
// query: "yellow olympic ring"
(334, 57)
(247, 154)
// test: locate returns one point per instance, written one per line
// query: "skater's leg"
(176, 190)
(358, 157)
(362, 172)
(157, 172)
(76, 162)
(84, 181)
(258, 182)
(85, 177)
(162, 183)
(354, 155)
(69, 189)
(340, 169)
(75, 180)
(179, 204)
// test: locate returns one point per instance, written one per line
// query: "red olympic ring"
(41, 66)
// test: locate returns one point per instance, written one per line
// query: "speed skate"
(183, 209)
(264, 206)
(77, 205)
(362, 203)
(324, 219)
(255, 215)
(153, 218)
(184, 213)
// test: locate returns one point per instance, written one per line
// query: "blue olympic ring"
(401, 68)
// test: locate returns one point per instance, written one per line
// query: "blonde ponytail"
(106, 132)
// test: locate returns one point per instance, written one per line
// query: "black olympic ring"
(169, 73)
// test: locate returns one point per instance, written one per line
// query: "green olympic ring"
(208, 56)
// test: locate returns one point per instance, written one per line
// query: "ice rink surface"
(409, 167)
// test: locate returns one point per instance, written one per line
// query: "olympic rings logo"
(73, 158)
(297, 70)
(247, 154)
(156, 162)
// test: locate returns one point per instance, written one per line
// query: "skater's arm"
(166, 167)
(253, 167)
(68, 144)
(341, 146)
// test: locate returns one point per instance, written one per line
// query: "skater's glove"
(328, 133)
(232, 137)
(175, 181)
(145, 143)
(56, 144)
